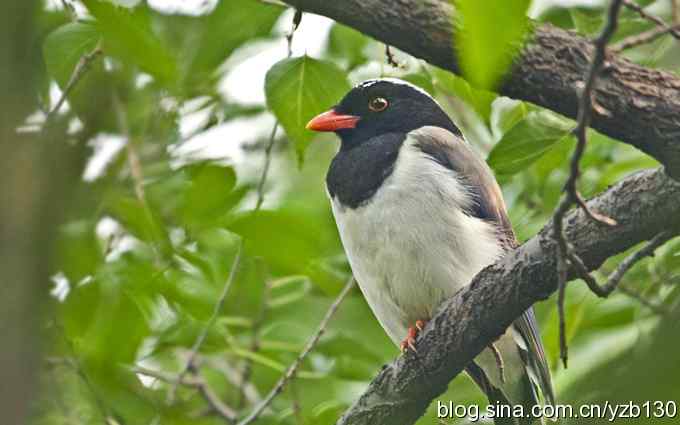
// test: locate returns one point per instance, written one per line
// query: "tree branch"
(479, 314)
(292, 369)
(79, 72)
(658, 21)
(193, 381)
(643, 38)
(637, 105)
(196, 347)
(614, 279)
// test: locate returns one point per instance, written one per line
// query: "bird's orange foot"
(409, 343)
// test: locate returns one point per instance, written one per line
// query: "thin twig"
(196, 382)
(500, 364)
(188, 381)
(136, 170)
(297, 409)
(213, 318)
(658, 21)
(75, 365)
(254, 344)
(292, 369)
(654, 307)
(215, 403)
(625, 265)
(132, 156)
(642, 38)
(561, 298)
(585, 106)
(265, 168)
(68, 6)
(83, 65)
(297, 18)
(593, 215)
(389, 57)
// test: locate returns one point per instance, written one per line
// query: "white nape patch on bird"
(369, 83)
(412, 245)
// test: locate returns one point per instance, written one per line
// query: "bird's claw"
(409, 343)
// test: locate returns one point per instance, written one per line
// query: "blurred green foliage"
(150, 240)
(489, 35)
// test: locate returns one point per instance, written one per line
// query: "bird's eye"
(378, 104)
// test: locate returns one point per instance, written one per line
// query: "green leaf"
(103, 319)
(527, 141)
(506, 114)
(140, 220)
(421, 79)
(587, 21)
(62, 51)
(125, 3)
(232, 23)
(489, 35)
(65, 46)
(78, 250)
(479, 100)
(590, 22)
(557, 16)
(231, 111)
(209, 194)
(299, 88)
(347, 44)
(128, 35)
(288, 240)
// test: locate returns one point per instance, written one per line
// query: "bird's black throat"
(358, 171)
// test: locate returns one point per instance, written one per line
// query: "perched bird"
(419, 214)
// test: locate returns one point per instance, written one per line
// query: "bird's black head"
(381, 106)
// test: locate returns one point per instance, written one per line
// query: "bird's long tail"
(514, 372)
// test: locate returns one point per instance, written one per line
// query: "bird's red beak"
(332, 121)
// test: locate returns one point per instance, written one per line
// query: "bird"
(419, 214)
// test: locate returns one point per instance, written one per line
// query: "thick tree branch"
(636, 105)
(644, 205)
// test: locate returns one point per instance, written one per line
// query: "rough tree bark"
(466, 324)
(636, 105)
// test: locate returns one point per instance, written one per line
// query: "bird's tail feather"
(498, 398)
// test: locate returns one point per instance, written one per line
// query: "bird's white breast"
(411, 245)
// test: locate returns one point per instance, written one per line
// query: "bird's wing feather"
(454, 153)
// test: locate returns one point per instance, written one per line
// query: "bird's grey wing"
(454, 153)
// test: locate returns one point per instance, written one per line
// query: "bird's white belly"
(411, 246)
